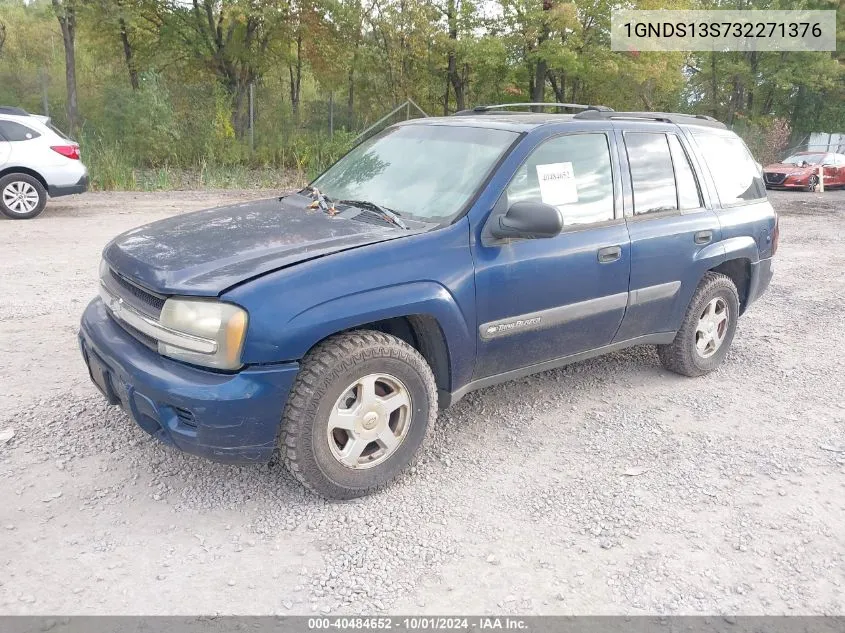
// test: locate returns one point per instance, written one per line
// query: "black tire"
(813, 183)
(11, 179)
(326, 374)
(682, 356)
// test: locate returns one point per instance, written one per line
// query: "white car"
(36, 160)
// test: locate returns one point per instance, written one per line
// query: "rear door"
(670, 224)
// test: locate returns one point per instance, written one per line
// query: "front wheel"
(708, 328)
(357, 413)
(21, 196)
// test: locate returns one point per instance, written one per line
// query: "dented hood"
(206, 252)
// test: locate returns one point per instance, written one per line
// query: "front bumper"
(761, 276)
(232, 418)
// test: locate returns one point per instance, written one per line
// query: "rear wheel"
(21, 196)
(708, 328)
(357, 414)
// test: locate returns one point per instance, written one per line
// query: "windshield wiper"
(388, 214)
(321, 201)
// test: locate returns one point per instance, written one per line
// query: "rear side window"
(572, 173)
(12, 131)
(734, 171)
(652, 175)
(689, 196)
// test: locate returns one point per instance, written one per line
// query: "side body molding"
(552, 317)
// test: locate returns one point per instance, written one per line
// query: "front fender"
(429, 274)
(428, 298)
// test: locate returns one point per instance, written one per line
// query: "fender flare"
(743, 247)
(428, 298)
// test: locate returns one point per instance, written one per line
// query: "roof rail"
(13, 110)
(497, 108)
(666, 117)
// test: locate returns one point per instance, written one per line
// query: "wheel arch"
(424, 314)
(738, 270)
(424, 334)
(24, 170)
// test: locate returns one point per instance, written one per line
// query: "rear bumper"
(80, 186)
(761, 276)
(231, 418)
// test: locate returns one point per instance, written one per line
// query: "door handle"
(703, 237)
(609, 254)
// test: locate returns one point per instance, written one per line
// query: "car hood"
(206, 252)
(785, 168)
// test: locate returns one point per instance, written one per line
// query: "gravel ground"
(608, 487)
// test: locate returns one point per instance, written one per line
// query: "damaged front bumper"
(225, 417)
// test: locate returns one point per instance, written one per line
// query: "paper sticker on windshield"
(557, 184)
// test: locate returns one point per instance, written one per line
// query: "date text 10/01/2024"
(418, 623)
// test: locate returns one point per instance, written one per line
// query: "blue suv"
(441, 256)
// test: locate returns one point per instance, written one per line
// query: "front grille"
(185, 416)
(144, 339)
(142, 300)
(774, 179)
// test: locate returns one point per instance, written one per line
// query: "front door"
(542, 299)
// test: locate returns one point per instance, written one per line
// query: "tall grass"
(114, 166)
(154, 139)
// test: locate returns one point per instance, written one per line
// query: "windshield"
(426, 172)
(797, 159)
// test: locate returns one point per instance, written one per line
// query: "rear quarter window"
(734, 171)
(13, 132)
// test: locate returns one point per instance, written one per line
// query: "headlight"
(221, 326)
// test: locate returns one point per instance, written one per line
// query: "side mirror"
(528, 220)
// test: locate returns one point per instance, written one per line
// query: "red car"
(800, 171)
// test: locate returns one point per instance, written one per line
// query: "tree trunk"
(350, 80)
(541, 67)
(538, 93)
(714, 87)
(350, 99)
(128, 55)
(753, 59)
(797, 112)
(296, 75)
(558, 88)
(239, 89)
(66, 14)
(453, 77)
(2, 36)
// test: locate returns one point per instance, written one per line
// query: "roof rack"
(498, 108)
(666, 117)
(13, 110)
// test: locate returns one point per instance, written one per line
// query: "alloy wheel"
(369, 421)
(712, 327)
(20, 197)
